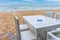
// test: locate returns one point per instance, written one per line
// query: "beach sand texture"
(7, 23)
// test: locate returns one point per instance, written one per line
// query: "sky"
(30, 2)
(25, 4)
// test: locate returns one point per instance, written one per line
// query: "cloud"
(12, 3)
(29, 0)
(53, 0)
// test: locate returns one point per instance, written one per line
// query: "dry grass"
(6, 23)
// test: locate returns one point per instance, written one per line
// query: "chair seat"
(27, 35)
(23, 27)
(57, 28)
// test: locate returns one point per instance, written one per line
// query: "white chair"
(53, 35)
(57, 15)
(49, 14)
(22, 35)
(23, 27)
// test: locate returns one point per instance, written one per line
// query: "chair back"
(58, 15)
(17, 27)
(49, 14)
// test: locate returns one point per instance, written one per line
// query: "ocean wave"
(8, 9)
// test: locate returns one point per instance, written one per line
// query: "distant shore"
(8, 9)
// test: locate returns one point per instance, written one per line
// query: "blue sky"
(26, 0)
(5, 1)
(29, 2)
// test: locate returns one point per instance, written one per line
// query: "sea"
(29, 5)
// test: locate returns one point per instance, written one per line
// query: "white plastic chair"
(22, 27)
(22, 35)
(57, 15)
(53, 35)
(49, 14)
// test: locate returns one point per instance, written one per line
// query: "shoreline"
(27, 8)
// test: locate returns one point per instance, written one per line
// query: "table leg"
(43, 35)
(37, 35)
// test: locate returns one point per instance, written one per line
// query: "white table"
(41, 26)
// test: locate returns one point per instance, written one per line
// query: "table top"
(39, 21)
